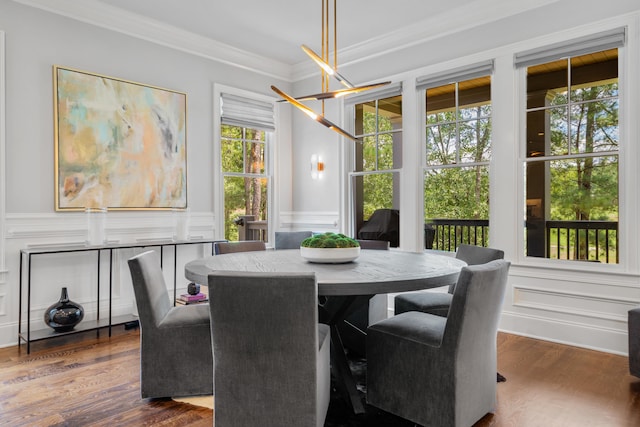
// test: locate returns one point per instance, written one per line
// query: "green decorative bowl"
(329, 248)
(330, 255)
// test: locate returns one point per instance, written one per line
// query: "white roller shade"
(388, 91)
(246, 112)
(583, 45)
(456, 75)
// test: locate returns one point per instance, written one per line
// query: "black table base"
(333, 311)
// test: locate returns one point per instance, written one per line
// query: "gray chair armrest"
(186, 317)
(436, 303)
(422, 328)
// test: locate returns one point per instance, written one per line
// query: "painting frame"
(118, 144)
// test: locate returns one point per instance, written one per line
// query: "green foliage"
(458, 149)
(585, 188)
(377, 155)
(377, 192)
(579, 123)
(458, 136)
(329, 240)
(457, 193)
(245, 193)
(232, 149)
(596, 201)
(377, 146)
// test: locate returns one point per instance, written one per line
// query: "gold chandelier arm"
(309, 112)
(337, 93)
(326, 67)
(336, 128)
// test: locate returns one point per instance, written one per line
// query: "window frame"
(246, 142)
(350, 151)
(271, 143)
(444, 78)
(626, 248)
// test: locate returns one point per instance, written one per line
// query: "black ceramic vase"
(63, 315)
(193, 288)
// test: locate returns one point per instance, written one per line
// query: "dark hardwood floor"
(93, 381)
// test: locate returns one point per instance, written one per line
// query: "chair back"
(264, 329)
(150, 289)
(241, 246)
(374, 244)
(445, 365)
(474, 255)
(290, 239)
(475, 311)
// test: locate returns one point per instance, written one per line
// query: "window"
(458, 151)
(377, 153)
(245, 135)
(571, 153)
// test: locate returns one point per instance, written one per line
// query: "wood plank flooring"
(94, 381)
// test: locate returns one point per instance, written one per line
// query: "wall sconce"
(317, 167)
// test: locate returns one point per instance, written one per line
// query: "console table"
(29, 336)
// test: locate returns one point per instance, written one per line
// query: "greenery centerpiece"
(329, 240)
(329, 248)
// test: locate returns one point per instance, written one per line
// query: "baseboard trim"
(575, 334)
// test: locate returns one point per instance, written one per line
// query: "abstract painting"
(118, 144)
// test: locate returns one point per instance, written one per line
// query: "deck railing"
(250, 229)
(449, 233)
(572, 240)
(583, 240)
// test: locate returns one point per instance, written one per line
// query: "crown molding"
(103, 15)
(455, 20)
(478, 13)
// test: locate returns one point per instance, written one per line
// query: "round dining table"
(373, 272)
(342, 288)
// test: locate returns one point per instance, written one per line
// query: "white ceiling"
(265, 35)
(277, 28)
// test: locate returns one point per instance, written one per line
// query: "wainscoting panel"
(313, 221)
(582, 308)
(594, 306)
(78, 271)
(3, 293)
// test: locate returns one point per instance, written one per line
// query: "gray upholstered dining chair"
(438, 302)
(440, 371)
(176, 358)
(220, 248)
(271, 354)
(290, 239)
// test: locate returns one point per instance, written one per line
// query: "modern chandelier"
(327, 72)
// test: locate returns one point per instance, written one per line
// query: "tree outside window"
(378, 152)
(572, 158)
(245, 176)
(456, 176)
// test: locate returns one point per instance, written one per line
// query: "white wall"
(36, 40)
(554, 301)
(316, 198)
(584, 305)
